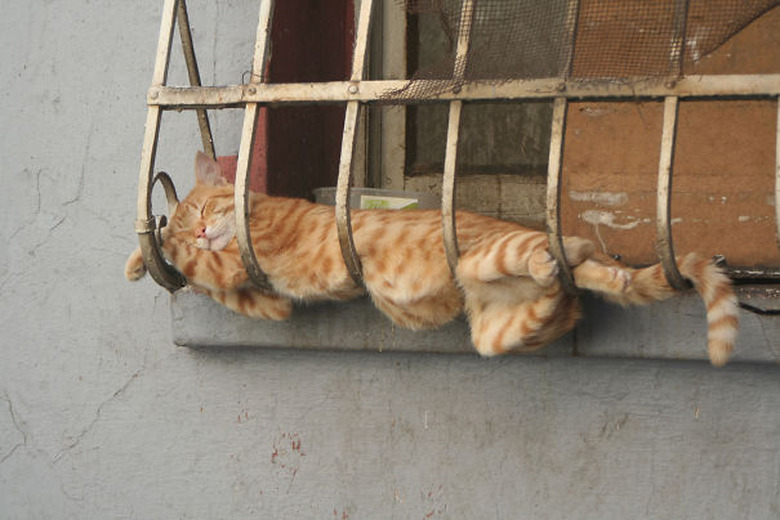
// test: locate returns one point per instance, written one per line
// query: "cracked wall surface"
(102, 417)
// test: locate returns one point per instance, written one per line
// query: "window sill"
(674, 329)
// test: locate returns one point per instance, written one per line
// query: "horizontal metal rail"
(745, 85)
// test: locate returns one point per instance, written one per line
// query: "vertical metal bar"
(555, 159)
(349, 136)
(570, 27)
(664, 243)
(554, 176)
(241, 200)
(777, 175)
(448, 194)
(162, 273)
(677, 48)
(194, 74)
(162, 59)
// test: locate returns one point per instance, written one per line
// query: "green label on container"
(377, 202)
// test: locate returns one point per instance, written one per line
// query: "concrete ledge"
(675, 329)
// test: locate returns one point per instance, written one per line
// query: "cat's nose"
(200, 232)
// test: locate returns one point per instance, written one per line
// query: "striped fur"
(506, 280)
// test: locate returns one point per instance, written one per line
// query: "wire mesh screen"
(525, 39)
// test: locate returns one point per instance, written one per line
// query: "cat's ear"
(207, 171)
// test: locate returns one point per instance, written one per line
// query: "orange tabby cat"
(506, 279)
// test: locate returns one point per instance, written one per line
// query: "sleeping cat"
(506, 280)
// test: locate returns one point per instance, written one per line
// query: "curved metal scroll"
(241, 197)
(148, 229)
(348, 138)
(554, 174)
(664, 244)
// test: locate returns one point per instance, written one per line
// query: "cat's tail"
(710, 281)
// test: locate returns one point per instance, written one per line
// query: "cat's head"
(206, 218)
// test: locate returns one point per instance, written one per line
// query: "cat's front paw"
(542, 267)
(134, 267)
(619, 279)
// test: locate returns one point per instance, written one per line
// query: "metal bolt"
(353, 89)
(154, 94)
(252, 90)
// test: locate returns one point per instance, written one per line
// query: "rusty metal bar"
(185, 32)
(664, 238)
(555, 161)
(570, 26)
(664, 242)
(448, 220)
(448, 186)
(348, 139)
(145, 224)
(679, 24)
(777, 175)
(380, 91)
(554, 177)
(241, 196)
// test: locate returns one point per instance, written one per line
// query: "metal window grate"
(569, 81)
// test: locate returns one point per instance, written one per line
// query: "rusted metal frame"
(185, 32)
(664, 239)
(664, 243)
(448, 216)
(145, 224)
(348, 139)
(251, 110)
(555, 160)
(379, 91)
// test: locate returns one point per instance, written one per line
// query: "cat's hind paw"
(134, 267)
(542, 267)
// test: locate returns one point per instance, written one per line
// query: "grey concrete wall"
(102, 417)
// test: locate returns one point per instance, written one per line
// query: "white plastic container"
(371, 198)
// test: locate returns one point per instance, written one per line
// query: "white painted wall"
(102, 417)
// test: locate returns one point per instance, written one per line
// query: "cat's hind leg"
(498, 328)
(520, 253)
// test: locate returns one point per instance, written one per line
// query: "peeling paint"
(607, 218)
(604, 198)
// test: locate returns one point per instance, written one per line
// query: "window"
(618, 124)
